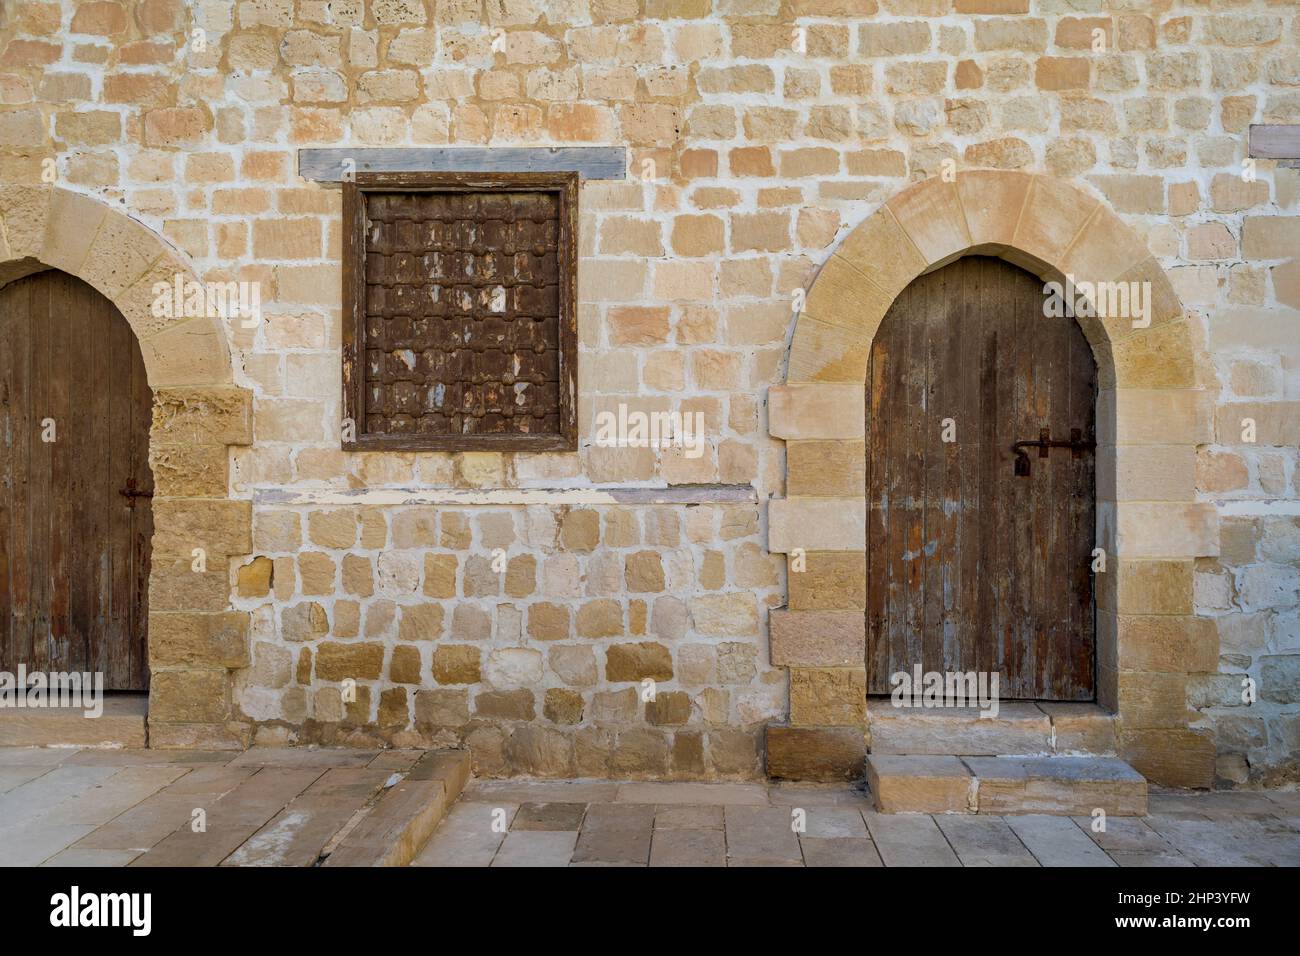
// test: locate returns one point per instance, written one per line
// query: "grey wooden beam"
(592, 162)
(1275, 141)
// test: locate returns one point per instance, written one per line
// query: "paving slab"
(984, 841)
(1231, 842)
(1124, 835)
(687, 817)
(549, 816)
(35, 756)
(720, 794)
(27, 803)
(11, 777)
(231, 819)
(467, 835)
(615, 833)
(804, 795)
(839, 851)
(35, 843)
(298, 834)
(154, 819)
(1057, 841)
(542, 791)
(75, 856)
(834, 822)
(303, 757)
(907, 839)
(688, 847)
(115, 795)
(536, 848)
(761, 835)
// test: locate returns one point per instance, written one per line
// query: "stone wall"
(760, 133)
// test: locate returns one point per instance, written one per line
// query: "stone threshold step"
(121, 725)
(1020, 727)
(1071, 786)
(393, 830)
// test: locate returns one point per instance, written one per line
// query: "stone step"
(396, 827)
(122, 724)
(1073, 786)
(1019, 727)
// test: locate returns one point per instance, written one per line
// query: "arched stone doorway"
(1151, 414)
(195, 638)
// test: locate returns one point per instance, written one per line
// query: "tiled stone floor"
(70, 807)
(280, 807)
(597, 823)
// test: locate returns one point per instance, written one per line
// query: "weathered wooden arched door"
(75, 516)
(972, 566)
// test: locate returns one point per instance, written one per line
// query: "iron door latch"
(1045, 443)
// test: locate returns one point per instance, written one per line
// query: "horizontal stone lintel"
(456, 497)
(591, 162)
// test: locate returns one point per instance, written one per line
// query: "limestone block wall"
(759, 133)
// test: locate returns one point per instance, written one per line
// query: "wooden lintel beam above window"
(590, 162)
(1279, 141)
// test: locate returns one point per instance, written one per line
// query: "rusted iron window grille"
(459, 326)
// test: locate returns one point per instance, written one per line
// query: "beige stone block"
(1146, 587)
(816, 411)
(189, 696)
(1144, 416)
(202, 640)
(1158, 357)
(74, 221)
(917, 784)
(931, 214)
(1167, 643)
(817, 638)
(194, 352)
(847, 298)
(25, 212)
(814, 753)
(359, 661)
(1104, 249)
(1275, 423)
(1052, 216)
(186, 416)
(189, 471)
(828, 580)
(254, 578)
(1059, 785)
(827, 353)
(220, 527)
(992, 202)
(817, 524)
(637, 662)
(828, 696)
(880, 248)
(1081, 728)
(826, 468)
(1167, 530)
(1146, 473)
(1171, 758)
(1270, 237)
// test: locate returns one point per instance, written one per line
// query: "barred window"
(460, 328)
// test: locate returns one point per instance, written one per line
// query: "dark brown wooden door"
(74, 550)
(972, 567)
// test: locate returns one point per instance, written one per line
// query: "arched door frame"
(196, 639)
(1151, 415)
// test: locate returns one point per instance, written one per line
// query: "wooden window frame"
(565, 186)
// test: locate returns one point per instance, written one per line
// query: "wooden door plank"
(971, 567)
